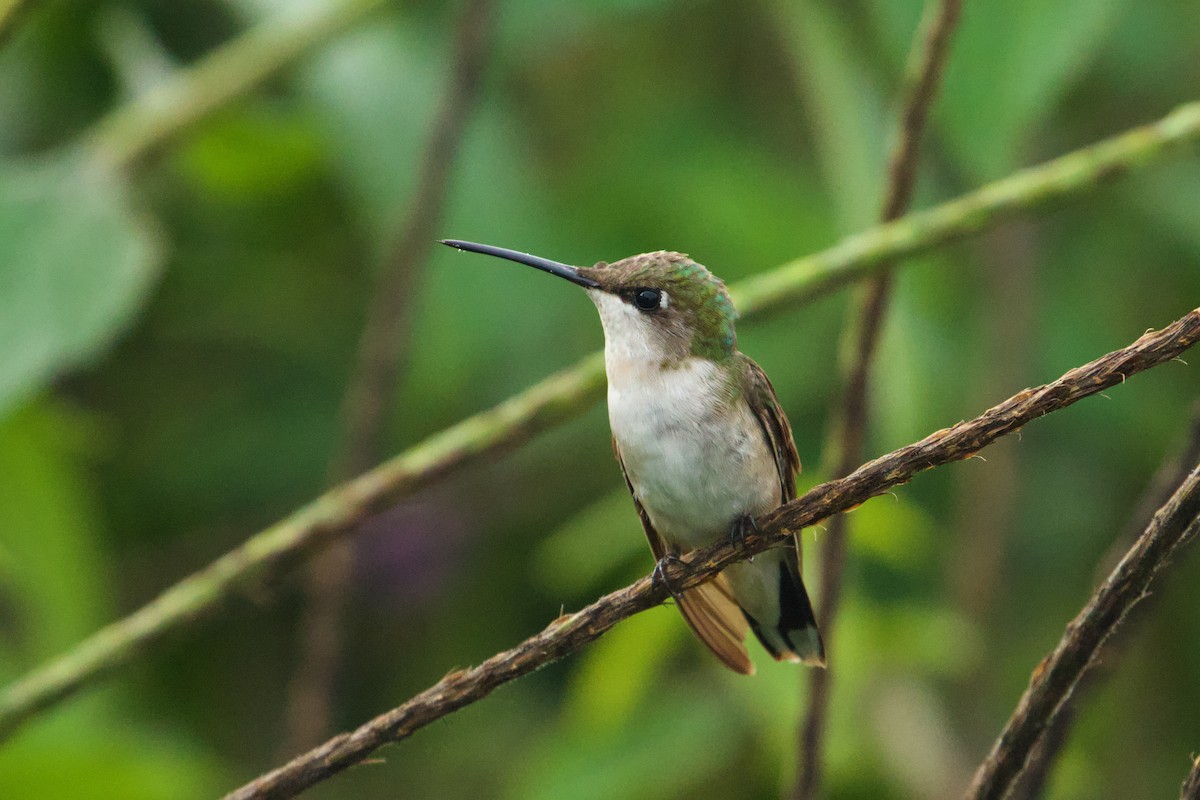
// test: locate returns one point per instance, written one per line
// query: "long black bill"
(537, 262)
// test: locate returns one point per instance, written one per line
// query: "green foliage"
(77, 265)
(177, 337)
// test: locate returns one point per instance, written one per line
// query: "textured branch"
(572, 631)
(152, 121)
(565, 396)
(1167, 477)
(381, 356)
(1056, 676)
(860, 338)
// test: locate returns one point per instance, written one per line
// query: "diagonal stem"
(572, 631)
(565, 396)
(1173, 472)
(860, 339)
(1056, 676)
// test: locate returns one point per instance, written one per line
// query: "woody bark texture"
(564, 396)
(1053, 680)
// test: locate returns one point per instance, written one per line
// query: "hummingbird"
(702, 442)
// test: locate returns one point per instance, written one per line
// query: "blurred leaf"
(618, 675)
(78, 263)
(1168, 200)
(602, 537)
(53, 591)
(376, 90)
(91, 762)
(845, 105)
(927, 639)
(893, 529)
(253, 152)
(771, 704)
(54, 587)
(1010, 65)
(672, 746)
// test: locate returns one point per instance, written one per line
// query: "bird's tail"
(793, 636)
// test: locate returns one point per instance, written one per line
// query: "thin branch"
(382, 352)
(865, 254)
(1056, 676)
(1191, 787)
(1169, 475)
(150, 122)
(571, 631)
(860, 338)
(565, 396)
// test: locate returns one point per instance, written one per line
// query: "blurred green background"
(175, 340)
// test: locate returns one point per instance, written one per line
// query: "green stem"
(863, 254)
(563, 397)
(151, 121)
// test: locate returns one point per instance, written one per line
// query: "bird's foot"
(660, 575)
(743, 527)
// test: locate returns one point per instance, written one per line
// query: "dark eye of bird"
(647, 299)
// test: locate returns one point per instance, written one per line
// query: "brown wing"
(778, 432)
(709, 609)
(765, 405)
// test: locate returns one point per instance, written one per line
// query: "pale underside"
(697, 461)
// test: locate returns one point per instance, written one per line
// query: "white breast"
(696, 462)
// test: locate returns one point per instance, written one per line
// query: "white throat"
(631, 340)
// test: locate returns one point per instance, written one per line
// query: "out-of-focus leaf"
(54, 587)
(619, 673)
(894, 530)
(927, 639)
(376, 90)
(1168, 198)
(846, 110)
(1011, 63)
(591, 545)
(251, 153)
(771, 706)
(672, 746)
(53, 591)
(93, 762)
(77, 264)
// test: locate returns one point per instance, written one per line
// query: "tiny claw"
(660, 576)
(743, 527)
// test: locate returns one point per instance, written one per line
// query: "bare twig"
(565, 396)
(860, 338)
(1191, 787)
(381, 355)
(572, 631)
(1055, 677)
(1174, 471)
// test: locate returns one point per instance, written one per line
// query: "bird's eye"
(647, 299)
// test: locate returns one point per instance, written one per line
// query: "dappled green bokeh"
(177, 338)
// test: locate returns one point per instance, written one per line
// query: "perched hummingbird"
(702, 442)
